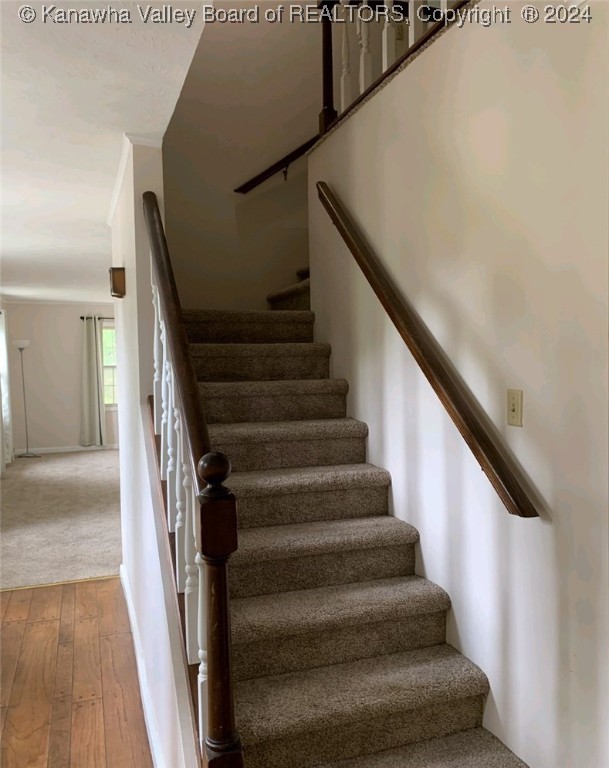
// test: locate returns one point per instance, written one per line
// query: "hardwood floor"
(69, 692)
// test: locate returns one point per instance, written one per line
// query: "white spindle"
(180, 542)
(389, 38)
(346, 90)
(202, 642)
(158, 361)
(191, 585)
(365, 54)
(171, 465)
(416, 27)
(164, 396)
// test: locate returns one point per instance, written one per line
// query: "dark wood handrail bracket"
(218, 509)
(280, 165)
(464, 410)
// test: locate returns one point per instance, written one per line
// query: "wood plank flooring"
(69, 692)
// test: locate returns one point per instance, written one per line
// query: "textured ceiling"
(69, 92)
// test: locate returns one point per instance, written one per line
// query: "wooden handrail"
(280, 165)
(466, 413)
(195, 423)
(217, 506)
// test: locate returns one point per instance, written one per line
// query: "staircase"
(339, 648)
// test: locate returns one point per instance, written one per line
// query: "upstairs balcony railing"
(363, 42)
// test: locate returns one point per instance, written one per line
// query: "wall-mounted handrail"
(280, 165)
(213, 526)
(466, 413)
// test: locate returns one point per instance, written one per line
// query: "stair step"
(251, 327)
(476, 748)
(285, 558)
(303, 273)
(278, 633)
(297, 296)
(277, 444)
(252, 401)
(302, 719)
(260, 362)
(307, 494)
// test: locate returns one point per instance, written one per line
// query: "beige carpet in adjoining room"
(60, 518)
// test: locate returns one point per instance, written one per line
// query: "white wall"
(53, 370)
(148, 586)
(480, 176)
(253, 94)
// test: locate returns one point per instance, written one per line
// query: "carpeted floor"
(60, 518)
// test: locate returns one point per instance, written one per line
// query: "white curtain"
(93, 415)
(6, 421)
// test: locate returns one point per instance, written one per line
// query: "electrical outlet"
(514, 407)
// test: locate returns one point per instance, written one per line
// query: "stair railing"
(459, 402)
(201, 511)
(404, 27)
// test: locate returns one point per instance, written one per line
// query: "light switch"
(514, 407)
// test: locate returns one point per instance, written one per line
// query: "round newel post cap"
(214, 468)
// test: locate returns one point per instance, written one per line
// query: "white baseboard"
(69, 449)
(149, 716)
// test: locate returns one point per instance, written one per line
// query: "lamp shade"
(21, 343)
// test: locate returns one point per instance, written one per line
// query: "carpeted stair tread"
(249, 327)
(294, 296)
(270, 482)
(278, 431)
(306, 494)
(261, 401)
(475, 748)
(281, 542)
(296, 387)
(295, 443)
(280, 349)
(277, 707)
(258, 362)
(320, 610)
(258, 316)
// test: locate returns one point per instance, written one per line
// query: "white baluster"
(191, 585)
(158, 362)
(346, 91)
(164, 396)
(171, 465)
(180, 541)
(202, 642)
(416, 27)
(365, 55)
(389, 38)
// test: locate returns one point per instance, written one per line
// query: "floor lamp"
(21, 345)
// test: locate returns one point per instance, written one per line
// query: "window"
(109, 363)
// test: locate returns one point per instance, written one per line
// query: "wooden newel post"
(218, 542)
(328, 114)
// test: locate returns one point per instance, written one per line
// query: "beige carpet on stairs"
(60, 518)
(339, 649)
